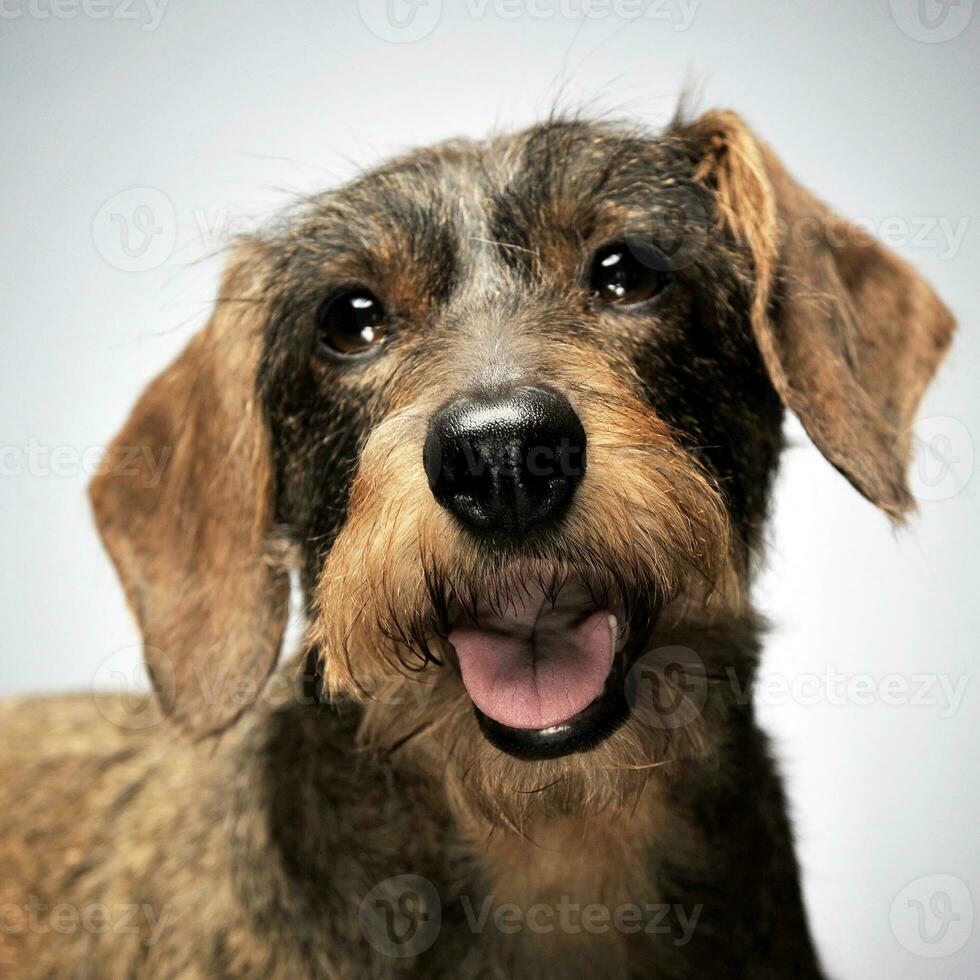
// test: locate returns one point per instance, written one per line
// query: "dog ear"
(184, 508)
(849, 333)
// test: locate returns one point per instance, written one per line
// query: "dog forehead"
(554, 172)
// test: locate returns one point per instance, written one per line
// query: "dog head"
(517, 405)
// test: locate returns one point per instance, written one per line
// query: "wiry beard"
(427, 721)
(647, 534)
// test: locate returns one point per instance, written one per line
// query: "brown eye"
(626, 276)
(351, 323)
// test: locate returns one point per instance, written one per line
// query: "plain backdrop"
(135, 137)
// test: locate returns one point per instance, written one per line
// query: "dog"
(508, 412)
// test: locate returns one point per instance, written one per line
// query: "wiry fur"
(262, 829)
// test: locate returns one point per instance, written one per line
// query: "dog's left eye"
(351, 323)
(619, 275)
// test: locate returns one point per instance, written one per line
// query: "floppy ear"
(184, 506)
(849, 333)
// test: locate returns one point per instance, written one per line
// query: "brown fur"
(254, 848)
(191, 548)
(849, 333)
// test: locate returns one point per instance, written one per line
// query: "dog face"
(517, 406)
(523, 505)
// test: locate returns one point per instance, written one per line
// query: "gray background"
(203, 118)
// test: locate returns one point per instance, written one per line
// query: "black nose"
(507, 463)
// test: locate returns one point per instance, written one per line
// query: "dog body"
(511, 412)
(252, 859)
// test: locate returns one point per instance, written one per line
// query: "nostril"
(508, 462)
(432, 457)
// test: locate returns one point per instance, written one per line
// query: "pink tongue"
(531, 664)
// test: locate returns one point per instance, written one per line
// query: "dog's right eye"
(623, 276)
(351, 323)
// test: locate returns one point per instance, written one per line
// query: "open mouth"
(544, 671)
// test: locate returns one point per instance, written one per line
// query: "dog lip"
(580, 733)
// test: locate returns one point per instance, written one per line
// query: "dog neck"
(602, 858)
(534, 845)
